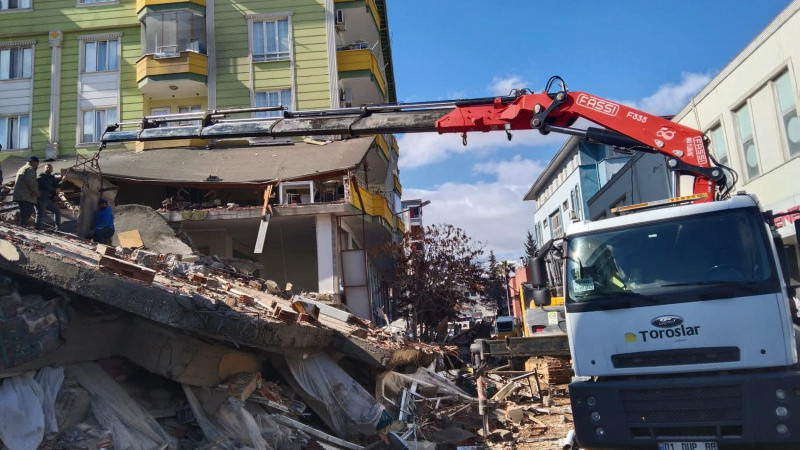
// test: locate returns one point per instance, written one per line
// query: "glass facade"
(167, 34)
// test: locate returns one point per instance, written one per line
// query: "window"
(167, 34)
(575, 198)
(186, 110)
(271, 40)
(539, 233)
(555, 224)
(273, 98)
(718, 145)
(95, 122)
(15, 63)
(15, 132)
(788, 111)
(160, 112)
(100, 56)
(747, 143)
(15, 4)
(565, 206)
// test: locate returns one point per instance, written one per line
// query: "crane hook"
(464, 139)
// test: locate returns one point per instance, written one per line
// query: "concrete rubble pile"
(113, 347)
(168, 351)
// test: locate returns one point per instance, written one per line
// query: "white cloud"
(503, 86)
(421, 149)
(490, 212)
(670, 98)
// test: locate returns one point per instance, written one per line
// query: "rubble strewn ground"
(112, 347)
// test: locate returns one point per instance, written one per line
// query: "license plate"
(688, 445)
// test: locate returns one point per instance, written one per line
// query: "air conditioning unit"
(339, 21)
(346, 97)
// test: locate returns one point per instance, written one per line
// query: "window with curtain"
(15, 63)
(555, 224)
(94, 123)
(100, 56)
(788, 112)
(273, 98)
(747, 141)
(719, 147)
(15, 132)
(15, 4)
(270, 40)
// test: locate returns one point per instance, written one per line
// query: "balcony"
(141, 4)
(183, 75)
(174, 64)
(361, 75)
(375, 204)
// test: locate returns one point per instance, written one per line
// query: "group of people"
(40, 192)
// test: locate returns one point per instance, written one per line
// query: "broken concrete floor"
(185, 353)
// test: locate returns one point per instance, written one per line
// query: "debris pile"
(113, 347)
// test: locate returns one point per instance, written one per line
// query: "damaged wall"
(290, 253)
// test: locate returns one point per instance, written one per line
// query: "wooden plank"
(266, 213)
(130, 239)
(127, 269)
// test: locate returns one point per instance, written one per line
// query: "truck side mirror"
(541, 297)
(538, 271)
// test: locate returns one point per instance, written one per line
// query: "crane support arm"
(623, 127)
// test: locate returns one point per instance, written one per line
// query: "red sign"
(789, 218)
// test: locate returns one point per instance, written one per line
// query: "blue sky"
(651, 54)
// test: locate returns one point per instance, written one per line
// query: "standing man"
(26, 190)
(48, 190)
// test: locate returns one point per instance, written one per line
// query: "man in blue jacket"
(103, 228)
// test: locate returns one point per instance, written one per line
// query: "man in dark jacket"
(48, 190)
(26, 190)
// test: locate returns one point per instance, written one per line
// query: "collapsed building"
(111, 321)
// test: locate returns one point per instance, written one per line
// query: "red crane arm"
(554, 112)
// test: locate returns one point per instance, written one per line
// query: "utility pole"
(508, 288)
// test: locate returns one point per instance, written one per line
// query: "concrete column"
(56, 38)
(325, 255)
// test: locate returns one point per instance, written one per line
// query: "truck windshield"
(656, 261)
(505, 325)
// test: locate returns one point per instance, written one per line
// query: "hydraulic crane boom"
(625, 127)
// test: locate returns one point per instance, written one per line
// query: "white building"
(575, 174)
(750, 113)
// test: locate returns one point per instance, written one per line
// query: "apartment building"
(68, 68)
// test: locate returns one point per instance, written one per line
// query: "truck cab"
(679, 318)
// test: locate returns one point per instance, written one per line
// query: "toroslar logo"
(667, 321)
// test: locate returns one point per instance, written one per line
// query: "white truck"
(679, 322)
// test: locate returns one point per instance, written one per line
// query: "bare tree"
(435, 267)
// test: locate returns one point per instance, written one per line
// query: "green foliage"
(530, 246)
